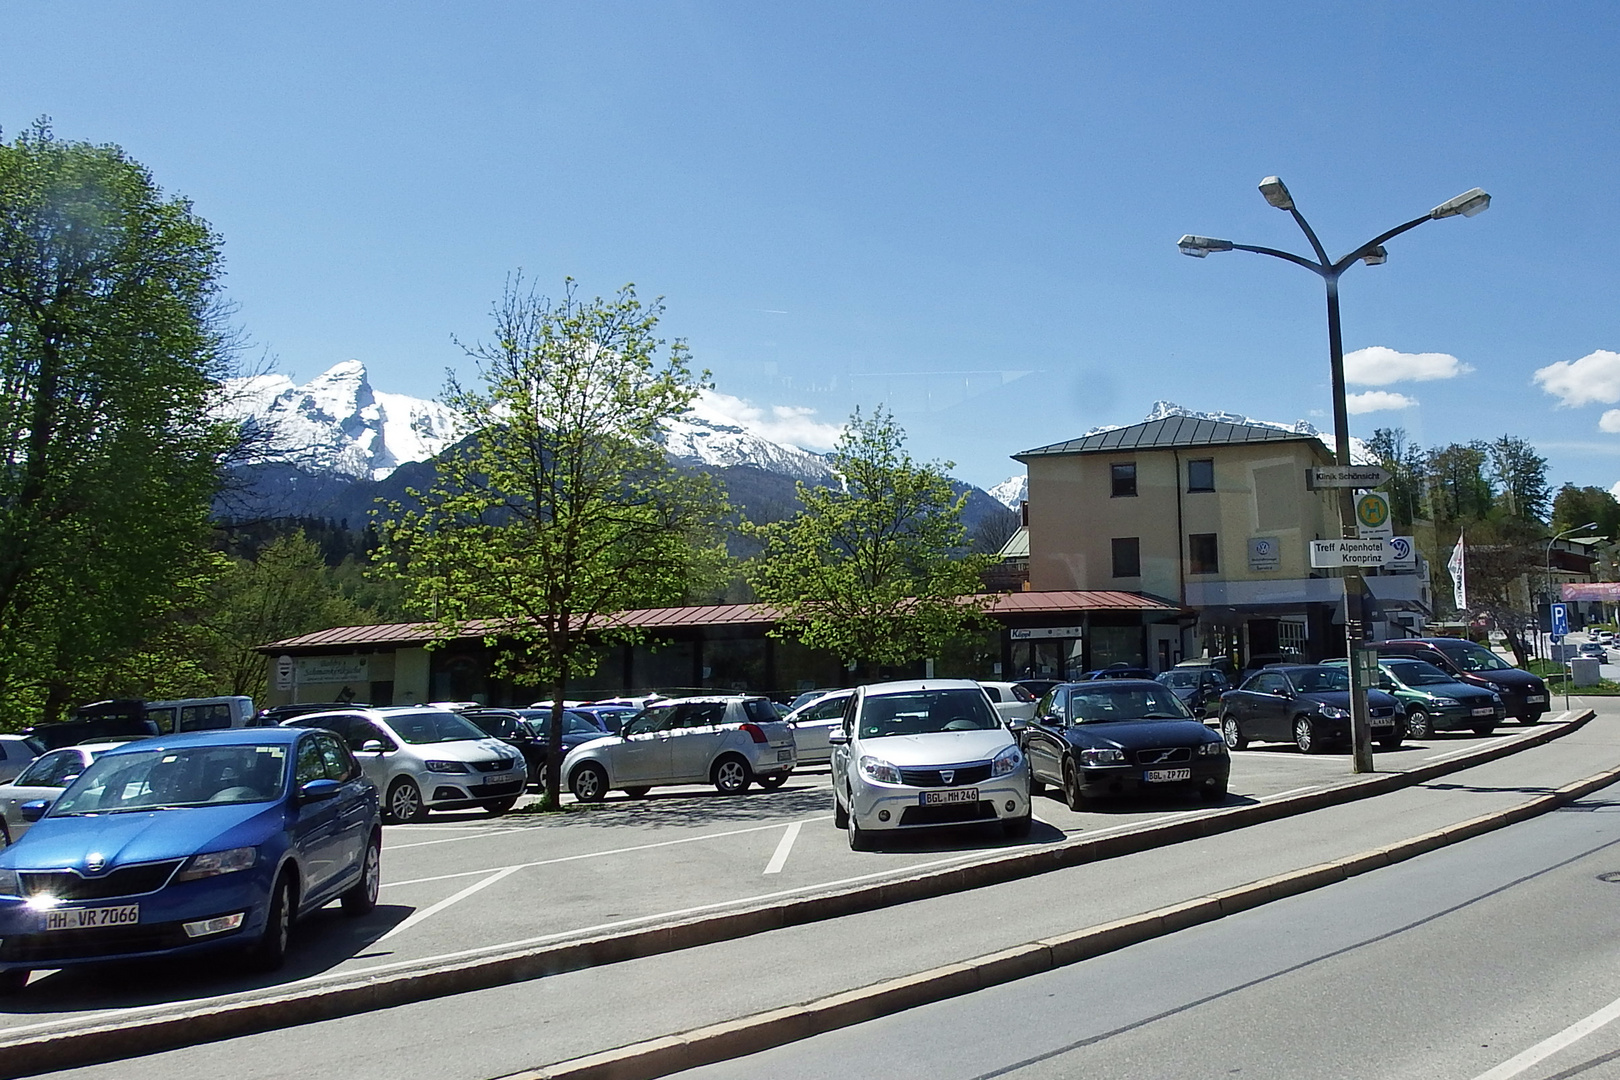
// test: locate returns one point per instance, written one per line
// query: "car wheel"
(1071, 788)
(589, 782)
(1533, 718)
(1232, 733)
(1417, 724)
(497, 807)
(773, 781)
(1304, 735)
(1036, 787)
(271, 950)
(1018, 827)
(362, 896)
(405, 802)
(731, 775)
(12, 980)
(1392, 742)
(1214, 794)
(840, 815)
(1484, 729)
(859, 839)
(637, 792)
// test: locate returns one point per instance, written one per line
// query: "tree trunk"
(554, 742)
(1515, 642)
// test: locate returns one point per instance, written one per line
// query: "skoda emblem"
(948, 775)
(95, 861)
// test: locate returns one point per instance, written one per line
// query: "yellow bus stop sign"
(1372, 514)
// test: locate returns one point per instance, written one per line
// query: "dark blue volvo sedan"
(191, 843)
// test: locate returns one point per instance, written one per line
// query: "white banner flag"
(1459, 581)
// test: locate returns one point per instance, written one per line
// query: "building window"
(1124, 480)
(1201, 474)
(1127, 556)
(1201, 550)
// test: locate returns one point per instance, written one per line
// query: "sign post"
(1345, 476)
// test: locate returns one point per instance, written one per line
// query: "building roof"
(1172, 431)
(1011, 604)
(1017, 545)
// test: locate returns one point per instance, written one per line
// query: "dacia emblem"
(948, 776)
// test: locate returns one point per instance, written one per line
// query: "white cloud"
(1615, 491)
(1595, 377)
(1378, 366)
(794, 425)
(1610, 422)
(1378, 401)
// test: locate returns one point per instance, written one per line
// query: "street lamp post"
(1547, 579)
(1372, 253)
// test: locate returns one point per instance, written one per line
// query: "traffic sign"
(1345, 476)
(1560, 619)
(1373, 517)
(1330, 553)
(284, 673)
(1402, 554)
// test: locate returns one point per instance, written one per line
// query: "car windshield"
(923, 712)
(1107, 704)
(176, 777)
(432, 726)
(1418, 673)
(1180, 678)
(1470, 657)
(1320, 680)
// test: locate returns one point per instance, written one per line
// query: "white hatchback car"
(814, 721)
(1012, 701)
(423, 758)
(927, 753)
(729, 742)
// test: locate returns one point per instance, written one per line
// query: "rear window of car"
(761, 711)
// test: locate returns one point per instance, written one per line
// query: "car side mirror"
(370, 746)
(318, 791)
(33, 811)
(837, 738)
(1014, 724)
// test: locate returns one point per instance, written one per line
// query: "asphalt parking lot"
(460, 885)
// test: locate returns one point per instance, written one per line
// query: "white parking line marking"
(1577, 1031)
(453, 839)
(1471, 749)
(779, 857)
(599, 854)
(417, 916)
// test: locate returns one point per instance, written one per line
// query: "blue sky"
(966, 211)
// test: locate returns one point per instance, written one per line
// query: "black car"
(1120, 737)
(1199, 688)
(276, 715)
(1118, 671)
(525, 728)
(1523, 694)
(1307, 705)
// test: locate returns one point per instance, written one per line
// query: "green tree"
(560, 509)
(111, 354)
(1574, 506)
(1520, 476)
(1459, 489)
(1408, 474)
(879, 571)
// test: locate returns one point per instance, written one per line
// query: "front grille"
(498, 765)
(948, 814)
(124, 881)
(960, 775)
(490, 791)
(89, 944)
(1386, 710)
(1163, 755)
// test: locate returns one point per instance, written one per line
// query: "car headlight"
(1006, 761)
(1444, 701)
(877, 769)
(9, 883)
(1102, 756)
(215, 863)
(446, 766)
(1212, 749)
(1333, 712)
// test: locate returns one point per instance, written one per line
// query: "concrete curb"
(748, 1035)
(73, 1046)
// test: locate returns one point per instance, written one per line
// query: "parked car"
(1198, 688)
(1595, 650)
(1222, 664)
(1038, 687)
(1306, 704)
(1435, 701)
(96, 722)
(1117, 671)
(1524, 694)
(276, 715)
(926, 753)
(728, 741)
(1119, 737)
(1012, 701)
(17, 752)
(801, 700)
(44, 778)
(528, 730)
(1605, 636)
(202, 714)
(422, 758)
(814, 722)
(609, 717)
(190, 843)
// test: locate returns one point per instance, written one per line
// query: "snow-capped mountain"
(1016, 488)
(707, 436)
(337, 424)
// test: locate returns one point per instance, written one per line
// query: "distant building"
(1216, 518)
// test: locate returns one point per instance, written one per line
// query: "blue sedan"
(187, 844)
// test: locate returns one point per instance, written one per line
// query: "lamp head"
(1276, 193)
(1471, 202)
(1200, 246)
(1378, 256)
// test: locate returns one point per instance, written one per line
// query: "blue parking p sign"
(1560, 619)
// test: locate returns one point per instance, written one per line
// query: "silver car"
(17, 752)
(43, 779)
(425, 758)
(730, 742)
(923, 754)
(814, 721)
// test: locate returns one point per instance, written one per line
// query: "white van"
(200, 714)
